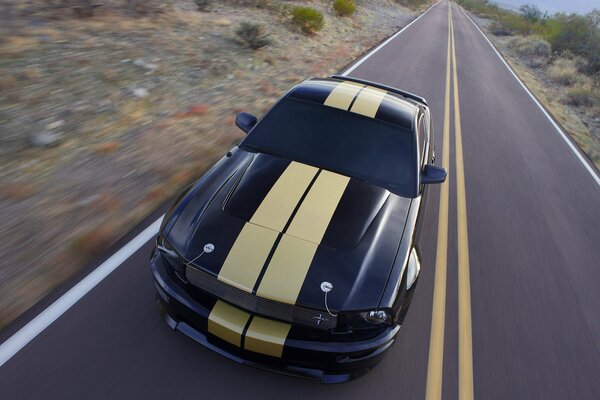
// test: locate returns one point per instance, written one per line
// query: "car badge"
(320, 319)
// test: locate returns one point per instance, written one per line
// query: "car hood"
(280, 229)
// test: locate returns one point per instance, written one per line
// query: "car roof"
(359, 97)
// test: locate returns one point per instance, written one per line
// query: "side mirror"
(433, 174)
(245, 121)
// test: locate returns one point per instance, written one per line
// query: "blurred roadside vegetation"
(558, 56)
(577, 34)
(414, 4)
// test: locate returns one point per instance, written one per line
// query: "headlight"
(377, 317)
(170, 256)
(368, 319)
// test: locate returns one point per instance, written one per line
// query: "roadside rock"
(45, 139)
(222, 22)
(140, 92)
(151, 67)
(54, 125)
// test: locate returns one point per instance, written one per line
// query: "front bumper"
(327, 361)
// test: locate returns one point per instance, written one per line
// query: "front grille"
(273, 309)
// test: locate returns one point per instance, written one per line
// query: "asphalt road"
(532, 213)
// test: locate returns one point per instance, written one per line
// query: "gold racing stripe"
(266, 336)
(291, 261)
(286, 272)
(278, 205)
(252, 246)
(368, 101)
(342, 95)
(227, 322)
(312, 219)
(247, 256)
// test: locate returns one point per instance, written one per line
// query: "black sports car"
(299, 250)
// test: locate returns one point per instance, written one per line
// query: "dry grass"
(8, 82)
(30, 74)
(533, 50)
(93, 241)
(17, 44)
(564, 72)
(582, 96)
(16, 190)
(530, 46)
(107, 148)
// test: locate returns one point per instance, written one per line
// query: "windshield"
(353, 145)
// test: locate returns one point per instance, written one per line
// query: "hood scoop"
(349, 205)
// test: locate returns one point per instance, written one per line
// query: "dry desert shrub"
(533, 50)
(87, 8)
(564, 71)
(202, 4)
(582, 96)
(530, 46)
(308, 19)
(344, 7)
(253, 35)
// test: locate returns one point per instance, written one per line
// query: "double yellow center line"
(465, 339)
(436, 344)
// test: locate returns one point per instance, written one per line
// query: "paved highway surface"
(520, 211)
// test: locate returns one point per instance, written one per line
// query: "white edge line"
(566, 138)
(376, 49)
(43, 320)
(34, 327)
